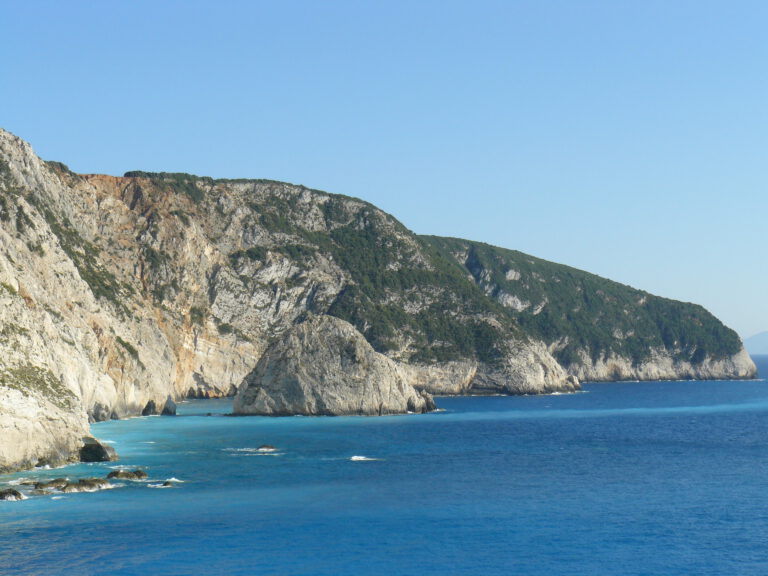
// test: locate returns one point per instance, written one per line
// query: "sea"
(641, 478)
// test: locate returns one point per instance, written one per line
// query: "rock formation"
(95, 451)
(137, 474)
(125, 294)
(324, 367)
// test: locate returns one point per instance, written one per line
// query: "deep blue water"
(655, 478)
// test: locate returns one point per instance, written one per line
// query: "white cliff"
(324, 367)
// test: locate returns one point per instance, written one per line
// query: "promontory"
(117, 293)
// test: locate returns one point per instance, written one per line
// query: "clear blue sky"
(629, 139)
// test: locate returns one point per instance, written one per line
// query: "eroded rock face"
(662, 366)
(120, 295)
(324, 366)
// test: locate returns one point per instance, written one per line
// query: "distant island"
(757, 344)
(121, 295)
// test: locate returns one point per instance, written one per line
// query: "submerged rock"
(95, 451)
(324, 366)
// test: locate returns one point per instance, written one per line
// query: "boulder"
(324, 366)
(95, 451)
(10, 494)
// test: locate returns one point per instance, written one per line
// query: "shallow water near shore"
(626, 478)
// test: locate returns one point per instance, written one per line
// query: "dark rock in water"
(56, 483)
(128, 474)
(10, 494)
(95, 451)
(266, 448)
(168, 484)
(86, 485)
(170, 407)
(150, 409)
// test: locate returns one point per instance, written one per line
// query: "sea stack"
(324, 366)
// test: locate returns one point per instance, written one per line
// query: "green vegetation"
(128, 347)
(5, 213)
(177, 181)
(255, 253)
(225, 328)
(58, 166)
(197, 315)
(36, 248)
(442, 296)
(156, 259)
(23, 222)
(182, 216)
(84, 254)
(594, 314)
(387, 271)
(10, 331)
(28, 378)
(8, 288)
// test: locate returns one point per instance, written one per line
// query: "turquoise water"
(632, 478)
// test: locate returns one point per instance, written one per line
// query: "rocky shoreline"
(120, 296)
(30, 488)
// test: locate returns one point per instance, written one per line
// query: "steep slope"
(599, 329)
(122, 291)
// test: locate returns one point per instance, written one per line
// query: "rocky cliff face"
(663, 365)
(120, 292)
(598, 329)
(323, 366)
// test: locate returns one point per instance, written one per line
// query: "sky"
(628, 139)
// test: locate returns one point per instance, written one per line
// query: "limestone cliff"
(323, 366)
(118, 292)
(598, 329)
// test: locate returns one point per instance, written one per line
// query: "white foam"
(250, 450)
(14, 499)
(172, 479)
(362, 459)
